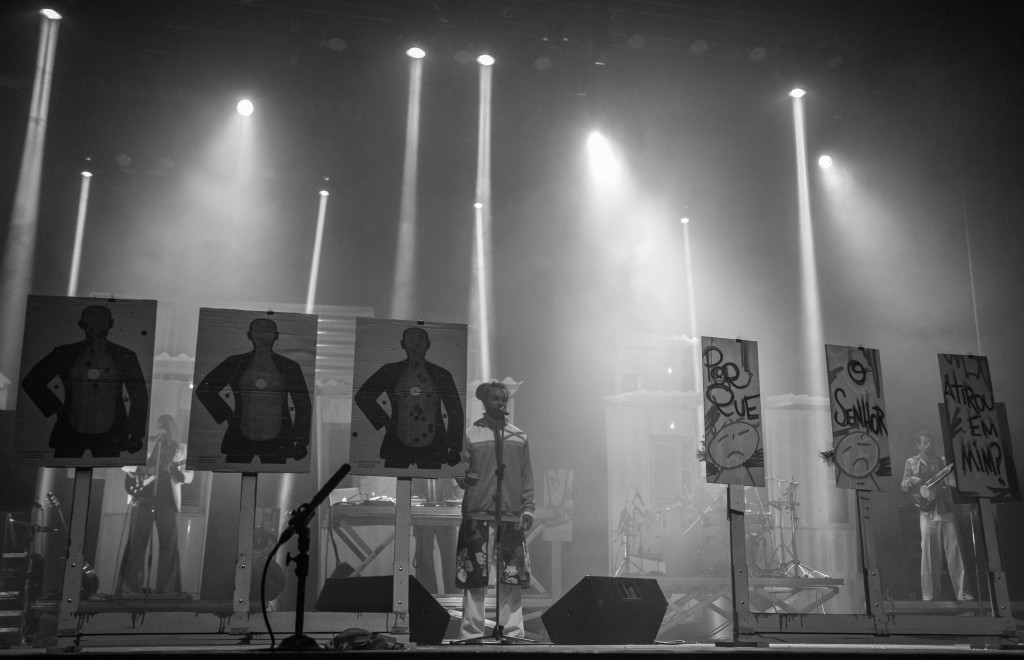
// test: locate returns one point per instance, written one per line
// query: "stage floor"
(139, 631)
(454, 651)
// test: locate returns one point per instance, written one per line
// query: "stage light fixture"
(478, 205)
(825, 161)
(324, 193)
(245, 107)
(797, 93)
(86, 173)
(485, 60)
(416, 53)
(685, 221)
(604, 162)
(50, 14)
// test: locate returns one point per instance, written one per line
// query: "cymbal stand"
(794, 567)
(763, 554)
(626, 533)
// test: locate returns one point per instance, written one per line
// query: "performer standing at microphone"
(476, 534)
(155, 497)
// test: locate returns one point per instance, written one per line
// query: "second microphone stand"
(299, 524)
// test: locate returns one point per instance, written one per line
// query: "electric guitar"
(926, 495)
(135, 482)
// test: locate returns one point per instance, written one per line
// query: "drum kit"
(691, 536)
(687, 537)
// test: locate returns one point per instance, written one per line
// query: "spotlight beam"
(76, 253)
(970, 264)
(314, 269)
(19, 250)
(405, 255)
(692, 304)
(810, 308)
(481, 296)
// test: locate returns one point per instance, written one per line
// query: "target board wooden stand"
(974, 431)
(97, 623)
(81, 621)
(876, 625)
(71, 592)
(402, 565)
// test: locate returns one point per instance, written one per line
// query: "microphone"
(301, 516)
(503, 411)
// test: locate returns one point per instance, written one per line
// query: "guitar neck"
(135, 482)
(938, 476)
(146, 471)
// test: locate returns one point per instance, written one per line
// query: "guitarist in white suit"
(928, 481)
(154, 498)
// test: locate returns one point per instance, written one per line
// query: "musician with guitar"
(927, 479)
(154, 492)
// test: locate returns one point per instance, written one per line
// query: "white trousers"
(938, 536)
(510, 613)
(510, 604)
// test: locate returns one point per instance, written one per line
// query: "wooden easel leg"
(742, 618)
(997, 579)
(71, 592)
(243, 563)
(869, 565)
(402, 566)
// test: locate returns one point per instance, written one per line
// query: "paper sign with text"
(733, 440)
(978, 448)
(860, 433)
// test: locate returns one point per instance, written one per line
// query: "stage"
(551, 650)
(176, 628)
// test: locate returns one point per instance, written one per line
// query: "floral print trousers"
(472, 567)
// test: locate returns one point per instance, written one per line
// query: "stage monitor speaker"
(607, 610)
(428, 621)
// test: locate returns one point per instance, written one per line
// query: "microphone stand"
(148, 570)
(498, 634)
(299, 523)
